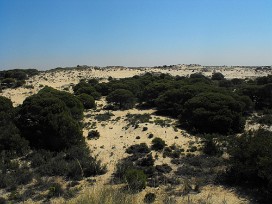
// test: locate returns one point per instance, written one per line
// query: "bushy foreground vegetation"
(251, 162)
(43, 138)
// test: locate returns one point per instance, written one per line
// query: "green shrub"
(121, 168)
(149, 198)
(164, 168)
(145, 128)
(104, 117)
(12, 175)
(251, 162)
(40, 157)
(158, 144)
(138, 148)
(135, 119)
(48, 120)
(87, 101)
(123, 98)
(150, 136)
(55, 190)
(93, 134)
(214, 113)
(146, 161)
(193, 149)
(210, 148)
(218, 76)
(136, 179)
(5, 104)
(75, 163)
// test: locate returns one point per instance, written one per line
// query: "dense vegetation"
(43, 138)
(45, 134)
(201, 104)
(215, 109)
(251, 161)
(16, 77)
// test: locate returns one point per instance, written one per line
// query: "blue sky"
(46, 34)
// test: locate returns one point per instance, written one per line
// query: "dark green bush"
(158, 144)
(75, 163)
(93, 134)
(149, 198)
(121, 168)
(123, 98)
(164, 168)
(87, 101)
(150, 136)
(48, 123)
(214, 113)
(136, 179)
(5, 104)
(134, 119)
(138, 148)
(84, 88)
(145, 128)
(55, 190)
(210, 147)
(11, 143)
(40, 157)
(218, 76)
(146, 161)
(12, 176)
(104, 117)
(251, 162)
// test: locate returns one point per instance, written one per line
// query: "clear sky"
(46, 34)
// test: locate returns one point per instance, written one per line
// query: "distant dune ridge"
(60, 78)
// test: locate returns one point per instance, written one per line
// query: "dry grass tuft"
(102, 195)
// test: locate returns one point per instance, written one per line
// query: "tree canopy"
(48, 122)
(123, 98)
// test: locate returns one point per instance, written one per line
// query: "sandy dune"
(116, 135)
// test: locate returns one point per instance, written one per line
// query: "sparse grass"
(108, 195)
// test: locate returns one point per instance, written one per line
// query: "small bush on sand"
(149, 198)
(138, 148)
(93, 134)
(104, 117)
(158, 144)
(136, 179)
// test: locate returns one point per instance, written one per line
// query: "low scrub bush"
(93, 134)
(134, 119)
(158, 144)
(104, 117)
(138, 148)
(136, 179)
(149, 198)
(55, 190)
(164, 168)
